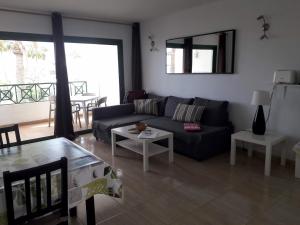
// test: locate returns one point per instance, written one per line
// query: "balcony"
(28, 105)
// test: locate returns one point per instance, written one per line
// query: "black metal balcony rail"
(36, 92)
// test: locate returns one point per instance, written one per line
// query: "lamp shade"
(260, 98)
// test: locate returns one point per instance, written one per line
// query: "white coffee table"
(268, 140)
(144, 147)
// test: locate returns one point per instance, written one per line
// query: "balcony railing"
(36, 92)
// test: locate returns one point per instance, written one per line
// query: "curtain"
(221, 66)
(188, 55)
(63, 111)
(136, 58)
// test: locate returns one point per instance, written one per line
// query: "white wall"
(255, 60)
(19, 22)
(27, 112)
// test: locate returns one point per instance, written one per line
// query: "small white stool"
(268, 140)
(296, 149)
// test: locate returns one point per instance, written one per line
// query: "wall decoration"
(265, 27)
(152, 43)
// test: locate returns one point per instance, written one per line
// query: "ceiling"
(111, 10)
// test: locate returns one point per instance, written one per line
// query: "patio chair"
(91, 94)
(52, 104)
(76, 112)
(97, 104)
(37, 214)
(6, 130)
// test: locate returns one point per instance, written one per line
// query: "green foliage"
(32, 51)
(35, 52)
(3, 46)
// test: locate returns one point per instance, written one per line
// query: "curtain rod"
(44, 13)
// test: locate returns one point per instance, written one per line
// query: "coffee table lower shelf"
(144, 147)
(154, 149)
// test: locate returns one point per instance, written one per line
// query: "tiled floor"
(42, 129)
(189, 192)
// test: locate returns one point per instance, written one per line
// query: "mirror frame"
(233, 53)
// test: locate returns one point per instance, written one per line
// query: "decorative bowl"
(140, 126)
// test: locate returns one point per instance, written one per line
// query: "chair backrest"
(102, 100)
(25, 176)
(75, 107)
(5, 131)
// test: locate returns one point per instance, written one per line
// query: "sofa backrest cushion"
(188, 113)
(161, 102)
(146, 106)
(215, 113)
(172, 103)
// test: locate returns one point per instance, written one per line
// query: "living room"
(243, 182)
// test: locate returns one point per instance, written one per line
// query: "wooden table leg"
(90, 211)
(73, 212)
(113, 144)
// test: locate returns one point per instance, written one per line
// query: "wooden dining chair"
(4, 131)
(40, 211)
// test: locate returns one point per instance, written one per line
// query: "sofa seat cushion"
(180, 134)
(108, 123)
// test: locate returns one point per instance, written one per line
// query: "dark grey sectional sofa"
(214, 137)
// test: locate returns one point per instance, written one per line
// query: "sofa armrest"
(112, 111)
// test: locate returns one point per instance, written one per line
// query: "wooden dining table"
(88, 175)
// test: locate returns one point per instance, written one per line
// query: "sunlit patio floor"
(42, 129)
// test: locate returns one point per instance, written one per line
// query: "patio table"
(83, 100)
(88, 175)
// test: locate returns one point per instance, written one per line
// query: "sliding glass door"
(96, 64)
(28, 79)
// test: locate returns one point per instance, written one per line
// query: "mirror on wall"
(211, 53)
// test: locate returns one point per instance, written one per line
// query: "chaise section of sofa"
(210, 141)
(106, 118)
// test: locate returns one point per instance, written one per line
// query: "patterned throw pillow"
(146, 106)
(188, 113)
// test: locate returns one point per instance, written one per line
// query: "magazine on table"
(147, 134)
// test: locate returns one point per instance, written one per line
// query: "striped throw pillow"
(188, 113)
(146, 106)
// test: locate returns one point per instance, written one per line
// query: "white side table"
(268, 140)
